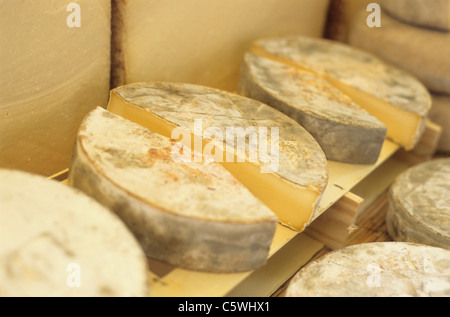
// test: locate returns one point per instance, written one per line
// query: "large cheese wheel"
(378, 269)
(52, 74)
(268, 152)
(424, 53)
(423, 13)
(193, 214)
(419, 204)
(56, 241)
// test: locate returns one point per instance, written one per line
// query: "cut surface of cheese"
(51, 76)
(377, 269)
(423, 53)
(440, 114)
(201, 42)
(190, 214)
(268, 152)
(390, 94)
(346, 132)
(56, 241)
(423, 13)
(419, 204)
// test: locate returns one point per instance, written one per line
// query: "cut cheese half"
(377, 269)
(346, 132)
(56, 241)
(279, 161)
(393, 96)
(440, 114)
(52, 75)
(194, 215)
(422, 13)
(419, 204)
(423, 53)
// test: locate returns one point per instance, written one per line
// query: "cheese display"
(56, 241)
(201, 42)
(424, 53)
(268, 152)
(423, 13)
(344, 130)
(419, 204)
(378, 269)
(390, 94)
(440, 114)
(190, 214)
(55, 68)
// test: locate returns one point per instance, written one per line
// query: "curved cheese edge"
(56, 241)
(419, 204)
(391, 95)
(293, 192)
(377, 269)
(422, 52)
(422, 13)
(346, 132)
(193, 215)
(440, 114)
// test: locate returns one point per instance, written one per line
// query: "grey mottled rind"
(377, 269)
(346, 132)
(193, 215)
(419, 204)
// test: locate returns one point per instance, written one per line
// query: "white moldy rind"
(56, 241)
(424, 53)
(345, 131)
(193, 215)
(377, 269)
(421, 13)
(419, 204)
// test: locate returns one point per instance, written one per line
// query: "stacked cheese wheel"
(414, 35)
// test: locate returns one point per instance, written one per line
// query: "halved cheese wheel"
(268, 152)
(194, 215)
(377, 269)
(56, 241)
(390, 94)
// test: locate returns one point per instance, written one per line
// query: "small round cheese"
(56, 241)
(419, 204)
(377, 269)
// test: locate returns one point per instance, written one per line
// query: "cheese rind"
(345, 131)
(292, 189)
(190, 214)
(423, 13)
(419, 204)
(390, 94)
(377, 269)
(423, 53)
(56, 241)
(440, 114)
(51, 76)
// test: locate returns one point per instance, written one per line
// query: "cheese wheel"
(424, 53)
(52, 74)
(440, 114)
(419, 204)
(346, 132)
(390, 94)
(423, 13)
(56, 241)
(268, 152)
(377, 269)
(194, 215)
(201, 42)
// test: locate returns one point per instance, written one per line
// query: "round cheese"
(56, 241)
(419, 204)
(440, 114)
(378, 269)
(194, 215)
